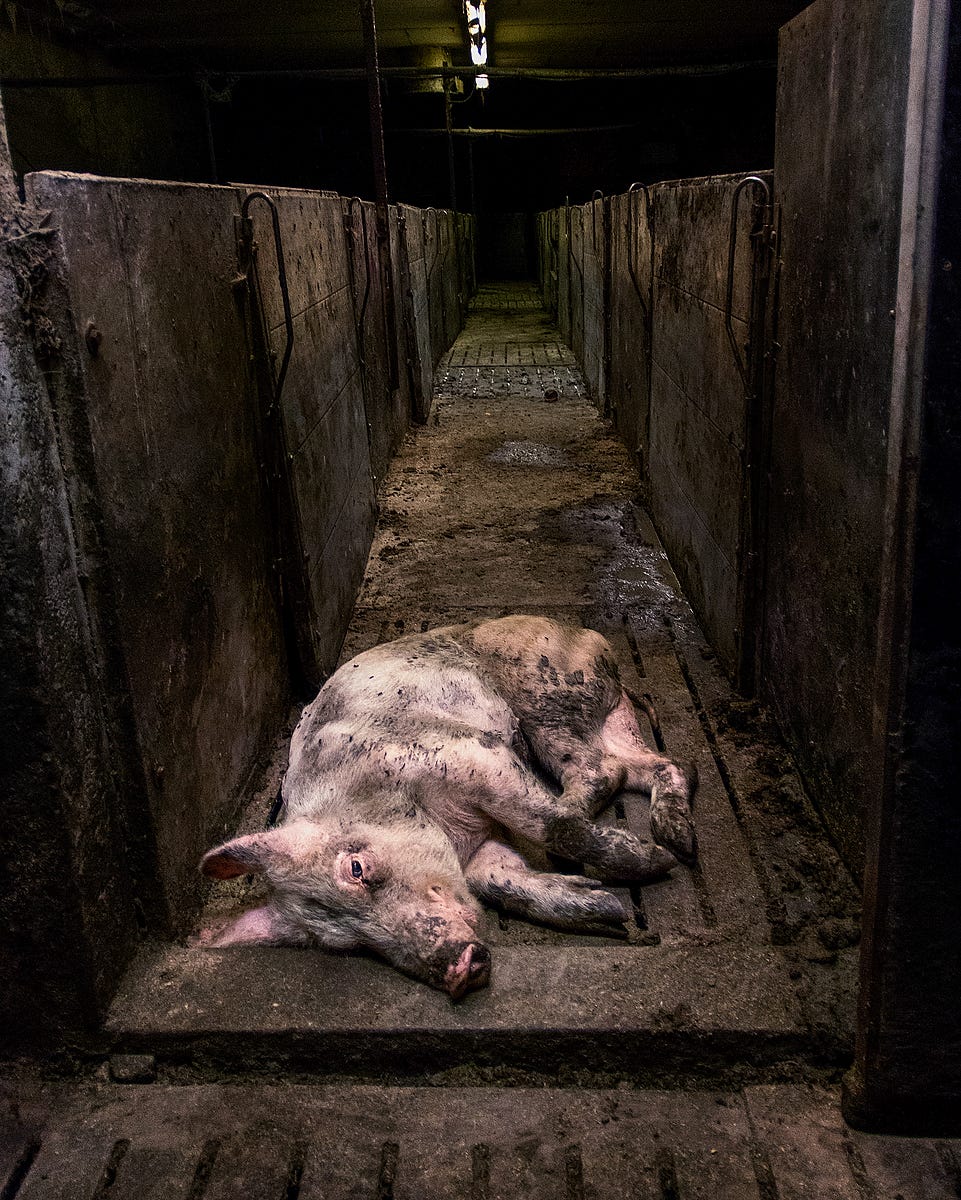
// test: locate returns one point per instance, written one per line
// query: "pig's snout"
(472, 970)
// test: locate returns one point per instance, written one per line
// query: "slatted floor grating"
(308, 1143)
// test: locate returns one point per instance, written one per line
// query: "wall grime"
(760, 474)
(234, 531)
(646, 302)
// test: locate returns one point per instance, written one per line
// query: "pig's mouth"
(472, 970)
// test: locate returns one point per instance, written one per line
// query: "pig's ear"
(253, 853)
(266, 926)
(241, 856)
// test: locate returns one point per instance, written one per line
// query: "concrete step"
(306, 1142)
(580, 1012)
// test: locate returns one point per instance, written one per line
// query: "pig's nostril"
(472, 970)
(480, 954)
(480, 960)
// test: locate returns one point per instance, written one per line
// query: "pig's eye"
(356, 868)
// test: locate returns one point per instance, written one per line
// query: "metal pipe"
(449, 130)
(375, 108)
(632, 241)
(379, 158)
(282, 280)
(739, 359)
(347, 74)
(520, 133)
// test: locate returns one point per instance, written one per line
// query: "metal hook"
(282, 277)
(596, 195)
(765, 210)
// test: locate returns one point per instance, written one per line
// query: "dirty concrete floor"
(283, 1142)
(698, 1055)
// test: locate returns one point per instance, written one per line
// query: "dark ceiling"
(522, 33)
(595, 94)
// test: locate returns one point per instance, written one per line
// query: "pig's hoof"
(673, 828)
(582, 881)
(661, 864)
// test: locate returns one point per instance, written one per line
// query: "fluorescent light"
(477, 33)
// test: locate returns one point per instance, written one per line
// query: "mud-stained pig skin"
(412, 768)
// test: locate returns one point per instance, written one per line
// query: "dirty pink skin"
(415, 768)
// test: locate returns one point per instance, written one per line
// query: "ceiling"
(541, 34)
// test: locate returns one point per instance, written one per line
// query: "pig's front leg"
(499, 876)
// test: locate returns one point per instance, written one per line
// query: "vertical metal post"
(448, 124)
(376, 112)
(470, 177)
(379, 159)
(209, 131)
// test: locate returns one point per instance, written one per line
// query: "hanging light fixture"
(477, 34)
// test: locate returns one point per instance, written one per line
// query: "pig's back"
(398, 703)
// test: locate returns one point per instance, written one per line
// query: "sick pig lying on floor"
(412, 769)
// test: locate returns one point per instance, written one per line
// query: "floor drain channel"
(20, 1171)
(204, 1169)
(480, 1172)
(389, 1154)
(109, 1175)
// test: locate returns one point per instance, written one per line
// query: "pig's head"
(397, 891)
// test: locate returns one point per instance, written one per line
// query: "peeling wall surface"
(67, 865)
(331, 485)
(172, 427)
(213, 505)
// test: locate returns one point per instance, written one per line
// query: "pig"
(417, 768)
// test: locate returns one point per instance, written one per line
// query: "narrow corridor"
(697, 1057)
(518, 497)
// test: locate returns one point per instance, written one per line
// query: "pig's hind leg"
(594, 766)
(508, 792)
(670, 788)
(499, 876)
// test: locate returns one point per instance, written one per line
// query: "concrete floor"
(697, 1056)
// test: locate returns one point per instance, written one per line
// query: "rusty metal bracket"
(349, 227)
(435, 241)
(570, 242)
(764, 235)
(632, 242)
(246, 236)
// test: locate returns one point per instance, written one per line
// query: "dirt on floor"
(518, 497)
(687, 1059)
